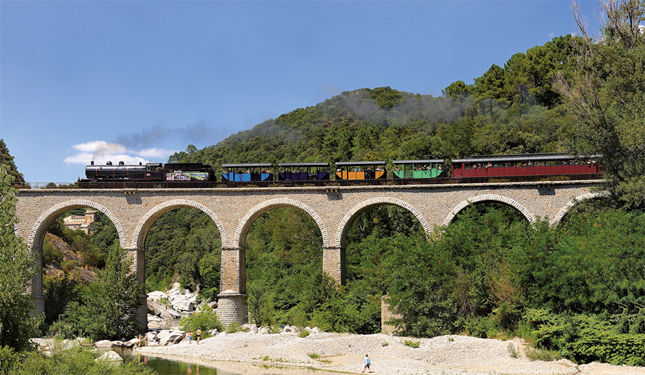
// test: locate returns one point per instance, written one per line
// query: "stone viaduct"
(133, 211)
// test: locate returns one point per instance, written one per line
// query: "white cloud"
(99, 145)
(160, 153)
(100, 152)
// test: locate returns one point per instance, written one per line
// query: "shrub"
(303, 333)
(313, 355)
(8, 358)
(233, 327)
(205, 320)
(74, 361)
(412, 344)
(542, 354)
(512, 351)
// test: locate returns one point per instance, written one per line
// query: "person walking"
(190, 337)
(368, 363)
(199, 335)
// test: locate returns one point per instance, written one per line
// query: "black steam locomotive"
(180, 172)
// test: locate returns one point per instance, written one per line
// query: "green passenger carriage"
(431, 168)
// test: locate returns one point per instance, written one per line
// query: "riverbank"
(389, 354)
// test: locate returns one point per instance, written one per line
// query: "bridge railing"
(45, 185)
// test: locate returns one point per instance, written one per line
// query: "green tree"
(108, 307)
(17, 267)
(605, 94)
(7, 159)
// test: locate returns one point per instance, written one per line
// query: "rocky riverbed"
(389, 354)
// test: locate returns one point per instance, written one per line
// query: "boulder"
(157, 295)
(104, 344)
(131, 343)
(174, 337)
(264, 330)
(117, 344)
(110, 356)
(152, 335)
(162, 335)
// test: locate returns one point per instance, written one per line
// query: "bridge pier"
(37, 284)
(334, 259)
(137, 255)
(231, 302)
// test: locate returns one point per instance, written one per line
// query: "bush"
(412, 344)
(205, 320)
(74, 361)
(8, 358)
(233, 327)
(535, 354)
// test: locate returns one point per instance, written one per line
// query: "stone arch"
(567, 207)
(490, 197)
(144, 224)
(349, 218)
(245, 223)
(38, 230)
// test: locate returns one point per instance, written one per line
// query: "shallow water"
(167, 367)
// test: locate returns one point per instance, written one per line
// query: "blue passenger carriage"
(247, 172)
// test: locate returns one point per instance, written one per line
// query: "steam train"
(473, 169)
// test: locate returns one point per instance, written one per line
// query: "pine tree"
(7, 159)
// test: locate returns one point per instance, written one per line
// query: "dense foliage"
(74, 361)
(16, 272)
(7, 160)
(107, 308)
(605, 95)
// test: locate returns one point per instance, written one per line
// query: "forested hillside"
(508, 110)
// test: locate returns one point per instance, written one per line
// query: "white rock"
(174, 337)
(157, 295)
(264, 330)
(104, 344)
(110, 356)
(162, 335)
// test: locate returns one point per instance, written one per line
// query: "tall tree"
(17, 267)
(7, 159)
(605, 93)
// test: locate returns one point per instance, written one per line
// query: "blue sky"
(139, 80)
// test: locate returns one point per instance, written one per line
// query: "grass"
(512, 351)
(313, 355)
(303, 333)
(412, 343)
(385, 343)
(535, 354)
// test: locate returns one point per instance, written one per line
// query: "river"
(167, 367)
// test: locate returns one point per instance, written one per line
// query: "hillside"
(513, 109)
